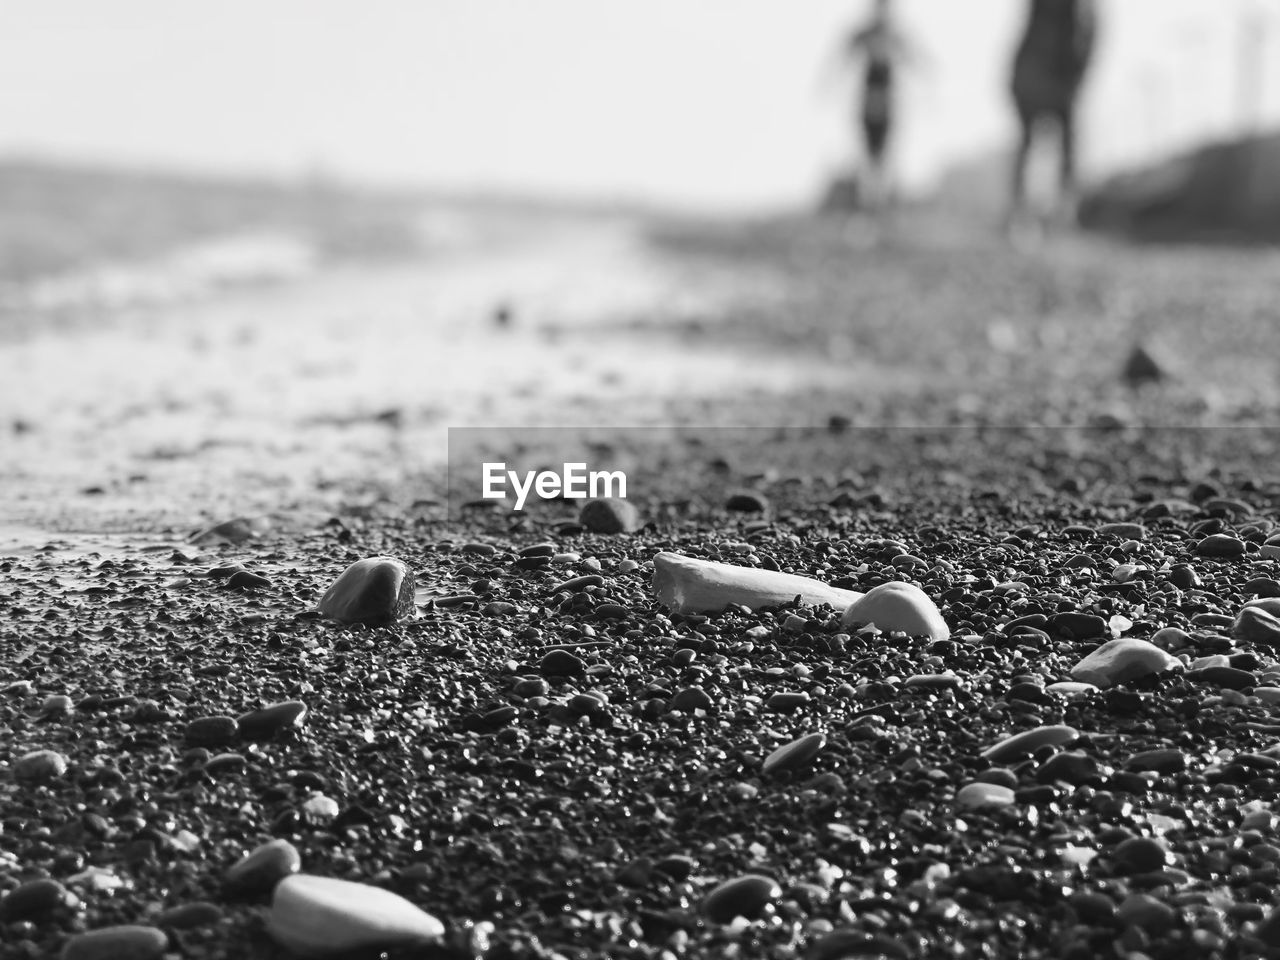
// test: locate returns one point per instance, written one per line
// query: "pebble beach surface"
(220, 744)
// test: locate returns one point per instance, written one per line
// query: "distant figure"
(1048, 70)
(880, 48)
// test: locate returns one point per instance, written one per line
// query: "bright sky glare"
(713, 103)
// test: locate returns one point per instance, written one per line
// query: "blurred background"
(269, 249)
(719, 105)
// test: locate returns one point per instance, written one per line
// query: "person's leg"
(1067, 163)
(1018, 186)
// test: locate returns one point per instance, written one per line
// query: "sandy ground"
(137, 415)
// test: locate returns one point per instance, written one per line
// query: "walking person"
(1048, 70)
(879, 48)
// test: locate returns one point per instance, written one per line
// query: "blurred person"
(880, 48)
(1048, 69)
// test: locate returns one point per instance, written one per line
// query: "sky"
(704, 103)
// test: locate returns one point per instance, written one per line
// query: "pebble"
(1125, 531)
(1070, 688)
(1122, 660)
(744, 896)
(229, 531)
(1256, 625)
(1080, 626)
(1166, 760)
(898, 607)
(579, 583)
(561, 663)
(225, 763)
(1263, 587)
(318, 916)
(747, 501)
(1028, 742)
(375, 591)
(33, 898)
(244, 580)
(609, 515)
(1268, 695)
(1145, 911)
(1221, 676)
(212, 731)
(188, 916)
(266, 723)
(126, 942)
(786, 701)
(1140, 855)
(1072, 766)
(690, 699)
(691, 585)
(794, 755)
(39, 766)
(982, 795)
(57, 705)
(847, 944)
(1220, 545)
(932, 681)
(262, 868)
(1000, 776)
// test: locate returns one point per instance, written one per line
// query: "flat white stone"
(1117, 661)
(320, 916)
(1070, 688)
(689, 585)
(898, 607)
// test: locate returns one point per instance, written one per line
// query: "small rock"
(1073, 767)
(747, 501)
(1222, 676)
(236, 531)
(561, 663)
(610, 515)
(983, 795)
(1118, 661)
(1257, 625)
(1028, 742)
(1070, 688)
(126, 942)
(375, 591)
(744, 896)
(1140, 368)
(1167, 760)
(1221, 546)
(690, 699)
(1142, 910)
(898, 607)
(188, 916)
(786, 701)
(212, 731)
(1140, 855)
(1125, 531)
(39, 766)
(262, 868)
(794, 755)
(34, 898)
(266, 723)
(244, 580)
(1080, 626)
(318, 916)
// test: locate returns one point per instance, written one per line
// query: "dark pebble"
(1228, 677)
(1168, 760)
(262, 868)
(690, 699)
(266, 723)
(579, 583)
(33, 898)
(744, 896)
(609, 515)
(561, 663)
(1140, 855)
(212, 731)
(244, 580)
(1080, 626)
(1220, 545)
(190, 915)
(747, 501)
(1072, 767)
